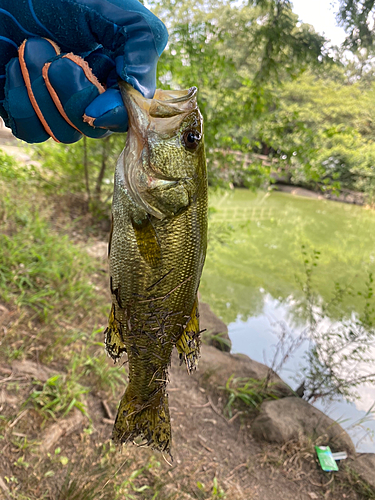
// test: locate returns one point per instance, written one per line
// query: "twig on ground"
(205, 446)
(201, 406)
(235, 416)
(4, 487)
(216, 410)
(22, 414)
(107, 409)
(239, 466)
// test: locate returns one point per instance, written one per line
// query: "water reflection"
(267, 253)
(257, 337)
(256, 278)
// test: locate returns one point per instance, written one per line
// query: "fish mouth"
(163, 114)
(144, 114)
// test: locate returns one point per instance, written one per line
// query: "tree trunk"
(86, 169)
(99, 180)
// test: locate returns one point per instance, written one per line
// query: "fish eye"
(191, 139)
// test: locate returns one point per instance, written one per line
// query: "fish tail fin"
(114, 344)
(149, 421)
(188, 345)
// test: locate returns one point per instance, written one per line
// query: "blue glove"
(60, 61)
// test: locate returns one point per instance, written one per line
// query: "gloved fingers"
(33, 54)
(72, 87)
(49, 99)
(23, 120)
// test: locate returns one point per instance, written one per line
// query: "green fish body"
(157, 250)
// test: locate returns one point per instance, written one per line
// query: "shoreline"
(349, 197)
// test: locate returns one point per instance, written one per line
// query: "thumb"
(108, 111)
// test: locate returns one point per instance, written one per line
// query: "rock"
(4, 315)
(216, 367)
(99, 250)
(7, 399)
(214, 328)
(63, 427)
(364, 466)
(287, 419)
(34, 370)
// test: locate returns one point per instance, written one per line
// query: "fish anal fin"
(147, 241)
(188, 345)
(114, 344)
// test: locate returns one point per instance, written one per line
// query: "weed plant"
(246, 393)
(58, 396)
(340, 358)
(39, 268)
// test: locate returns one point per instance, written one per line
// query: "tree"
(357, 17)
(237, 54)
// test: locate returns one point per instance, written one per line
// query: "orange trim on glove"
(86, 69)
(26, 77)
(55, 97)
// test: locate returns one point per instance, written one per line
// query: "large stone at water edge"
(216, 333)
(216, 367)
(291, 418)
(364, 466)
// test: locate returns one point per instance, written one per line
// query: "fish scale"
(157, 251)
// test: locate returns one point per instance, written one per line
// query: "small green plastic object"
(326, 460)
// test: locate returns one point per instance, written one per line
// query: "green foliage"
(38, 267)
(85, 168)
(237, 55)
(246, 393)
(58, 396)
(334, 147)
(356, 17)
(215, 493)
(13, 172)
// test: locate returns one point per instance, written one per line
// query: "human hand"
(47, 93)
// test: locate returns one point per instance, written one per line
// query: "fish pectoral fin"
(114, 344)
(147, 241)
(188, 345)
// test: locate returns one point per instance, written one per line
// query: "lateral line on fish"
(159, 280)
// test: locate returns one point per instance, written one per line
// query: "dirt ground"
(214, 457)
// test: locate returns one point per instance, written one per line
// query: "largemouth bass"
(156, 253)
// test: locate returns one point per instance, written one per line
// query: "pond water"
(255, 273)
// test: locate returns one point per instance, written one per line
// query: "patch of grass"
(109, 478)
(58, 396)
(103, 375)
(246, 393)
(364, 490)
(92, 366)
(219, 340)
(215, 492)
(39, 268)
